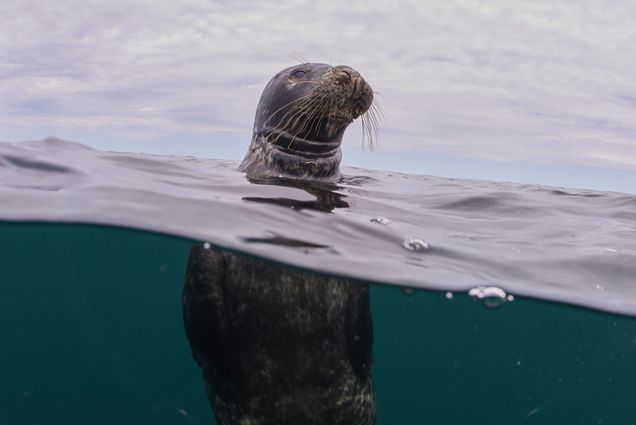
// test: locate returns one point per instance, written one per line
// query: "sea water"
(493, 303)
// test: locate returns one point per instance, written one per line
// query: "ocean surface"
(493, 303)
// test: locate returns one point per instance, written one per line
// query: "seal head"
(300, 120)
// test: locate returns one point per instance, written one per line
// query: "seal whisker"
(307, 108)
(312, 109)
(299, 114)
(370, 127)
(365, 130)
(320, 114)
(375, 111)
(300, 107)
(289, 123)
(376, 107)
(324, 113)
(373, 132)
(368, 130)
(315, 112)
(285, 116)
(298, 57)
(300, 100)
(374, 124)
(288, 126)
(308, 117)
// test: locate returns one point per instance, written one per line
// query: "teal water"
(91, 332)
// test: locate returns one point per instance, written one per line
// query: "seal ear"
(204, 312)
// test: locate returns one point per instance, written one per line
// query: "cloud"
(543, 81)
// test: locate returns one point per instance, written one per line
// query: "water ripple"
(444, 234)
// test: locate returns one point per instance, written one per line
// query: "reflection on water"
(325, 197)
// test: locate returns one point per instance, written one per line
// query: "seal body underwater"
(279, 346)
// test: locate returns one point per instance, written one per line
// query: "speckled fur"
(278, 346)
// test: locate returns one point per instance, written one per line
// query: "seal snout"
(360, 93)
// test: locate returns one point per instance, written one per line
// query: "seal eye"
(299, 73)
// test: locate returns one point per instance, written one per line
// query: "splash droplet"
(380, 220)
(449, 295)
(490, 296)
(414, 244)
(599, 287)
(206, 245)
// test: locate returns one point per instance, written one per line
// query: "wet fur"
(278, 346)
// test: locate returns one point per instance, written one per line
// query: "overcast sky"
(505, 89)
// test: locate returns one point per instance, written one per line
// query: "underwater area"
(94, 246)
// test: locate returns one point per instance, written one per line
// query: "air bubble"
(409, 292)
(414, 244)
(449, 295)
(380, 220)
(490, 296)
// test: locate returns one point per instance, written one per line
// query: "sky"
(537, 91)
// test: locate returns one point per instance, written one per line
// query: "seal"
(300, 121)
(278, 346)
